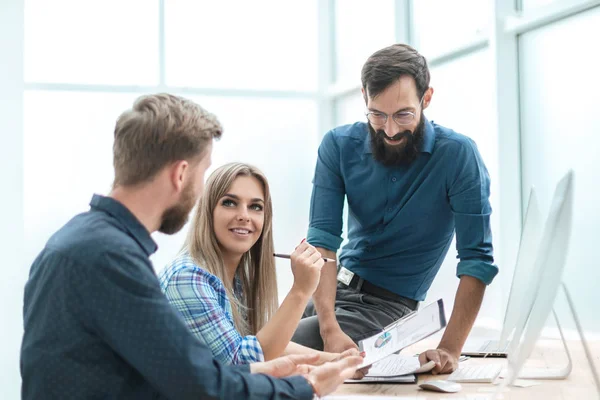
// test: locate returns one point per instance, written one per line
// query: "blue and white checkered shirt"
(202, 301)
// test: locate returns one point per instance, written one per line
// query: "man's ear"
(427, 97)
(179, 171)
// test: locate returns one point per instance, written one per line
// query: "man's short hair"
(158, 130)
(386, 66)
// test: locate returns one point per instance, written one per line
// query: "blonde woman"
(224, 282)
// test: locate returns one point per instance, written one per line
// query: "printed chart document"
(406, 331)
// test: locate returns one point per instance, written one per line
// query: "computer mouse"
(441, 386)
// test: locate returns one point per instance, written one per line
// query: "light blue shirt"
(202, 302)
(401, 219)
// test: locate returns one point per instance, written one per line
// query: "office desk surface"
(548, 354)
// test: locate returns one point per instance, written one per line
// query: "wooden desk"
(548, 354)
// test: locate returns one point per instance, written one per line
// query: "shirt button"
(390, 209)
(393, 179)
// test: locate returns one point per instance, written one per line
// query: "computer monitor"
(523, 271)
(547, 277)
(528, 246)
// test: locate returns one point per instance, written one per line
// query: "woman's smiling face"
(239, 217)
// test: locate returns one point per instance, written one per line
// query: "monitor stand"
(563, 372)
(550, 373)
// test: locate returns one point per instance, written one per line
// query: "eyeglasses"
(401, 117)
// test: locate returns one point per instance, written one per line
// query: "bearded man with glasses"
(410, 185)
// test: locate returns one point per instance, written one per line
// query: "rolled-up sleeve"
(202, 301)
(327, 199)
(469, 193)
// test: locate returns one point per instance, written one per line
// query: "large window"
(68, 156)
(85, 63)
(560, 132)
(532, 4)
(350, 108)
(463, 101)
(84, 42)
(361, 28)
(441, 26)
(264, 44)
(464, 91)
(257, 66)
(518, 76)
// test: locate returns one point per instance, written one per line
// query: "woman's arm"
(324, 356)
(275, 336)
(202, 301)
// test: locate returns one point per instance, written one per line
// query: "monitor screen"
(548, 269)
(524, 271)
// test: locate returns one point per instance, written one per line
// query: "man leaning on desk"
(410, 184)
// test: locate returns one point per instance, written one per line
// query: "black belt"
(367, 287)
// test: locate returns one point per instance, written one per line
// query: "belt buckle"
(345, 276)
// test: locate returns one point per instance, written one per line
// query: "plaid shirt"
(201, 299)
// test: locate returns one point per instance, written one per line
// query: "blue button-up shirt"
(401, 219)
(98, 327)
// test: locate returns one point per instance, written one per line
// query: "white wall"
(560, 130)
(14, 271)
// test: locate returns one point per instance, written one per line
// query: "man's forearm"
(466, 307)
(324, 296)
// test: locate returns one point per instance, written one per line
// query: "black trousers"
(360, 315)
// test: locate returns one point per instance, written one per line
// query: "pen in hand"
(288, 257)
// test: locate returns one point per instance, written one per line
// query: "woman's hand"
(306, 267)
(327, 357)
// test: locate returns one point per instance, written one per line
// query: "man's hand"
(296, 364)
(336, 341)
(326, 378)
(445, 362)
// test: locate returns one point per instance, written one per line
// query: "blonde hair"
(257, 266)
(160, 129)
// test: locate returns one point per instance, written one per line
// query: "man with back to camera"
(409, 183)
(96, 322)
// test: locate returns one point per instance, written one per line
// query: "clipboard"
(409, 378)
(404, 332)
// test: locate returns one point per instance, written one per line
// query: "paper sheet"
(397, 365)
(395, 368)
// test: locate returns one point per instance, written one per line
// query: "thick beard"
(401, 154)
(174, 218)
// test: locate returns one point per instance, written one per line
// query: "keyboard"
(493, 346)
(484, 373)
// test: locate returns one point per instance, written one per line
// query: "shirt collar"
(426, 145)
(127, 219)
